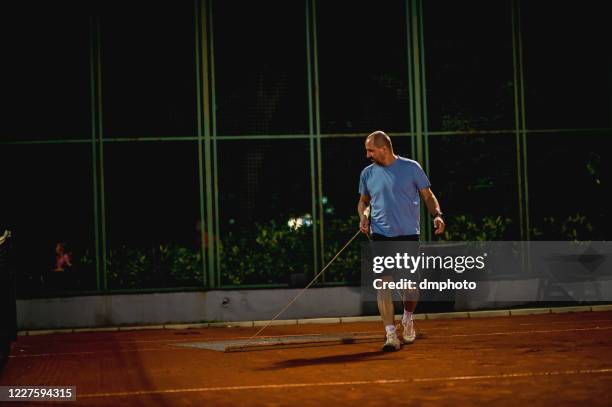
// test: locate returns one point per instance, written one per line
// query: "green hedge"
(273, 253)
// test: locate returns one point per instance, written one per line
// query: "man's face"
(375, 154)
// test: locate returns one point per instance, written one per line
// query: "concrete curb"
(186, 326)
(319, 321)
(569, 309)
(448, 315)
(102, 329)
(277, 322)
(529, 311)
(343, 320)
(141, 327)
(488, 314)
(237, 324)
(348, 320)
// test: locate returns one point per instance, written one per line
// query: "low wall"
(258, 305)
(185, 307)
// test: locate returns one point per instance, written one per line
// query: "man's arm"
(363, 210)
(434, 209)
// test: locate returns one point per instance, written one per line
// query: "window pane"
(265, 211)
(260, 67)
(343, 161)
(469, 65)
(148, 78)
(363, 71)
(48, 93)
(47, 198)
(475, 181)
(568, 65)
(570, 186)
(152, 214)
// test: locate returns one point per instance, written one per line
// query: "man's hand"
(364, 225)
(439, 225)
(363, 209)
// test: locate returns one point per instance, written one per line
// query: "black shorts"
(375, 237)
(402, 238)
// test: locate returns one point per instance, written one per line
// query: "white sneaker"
(408, 333)
(392, 343)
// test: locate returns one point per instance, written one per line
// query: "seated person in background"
(62, 257)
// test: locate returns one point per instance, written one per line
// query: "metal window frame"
(207, 137)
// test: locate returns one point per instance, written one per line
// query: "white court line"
(164, 348)
(597, 328)
(193, 338)
(348, 383)
(88, 353)
(208, 338)
(564, 322)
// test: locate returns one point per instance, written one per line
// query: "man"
(389, 189)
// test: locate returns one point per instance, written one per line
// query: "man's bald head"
(380, 139)
(379, 149)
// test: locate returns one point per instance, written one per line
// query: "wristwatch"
(438, 213)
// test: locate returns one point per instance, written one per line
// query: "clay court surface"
(552, 359)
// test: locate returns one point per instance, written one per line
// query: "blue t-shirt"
(394, 196)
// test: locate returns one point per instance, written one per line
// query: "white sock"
(407, 317)
(390, 329)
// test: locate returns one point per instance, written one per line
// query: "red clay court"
(548, 359)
